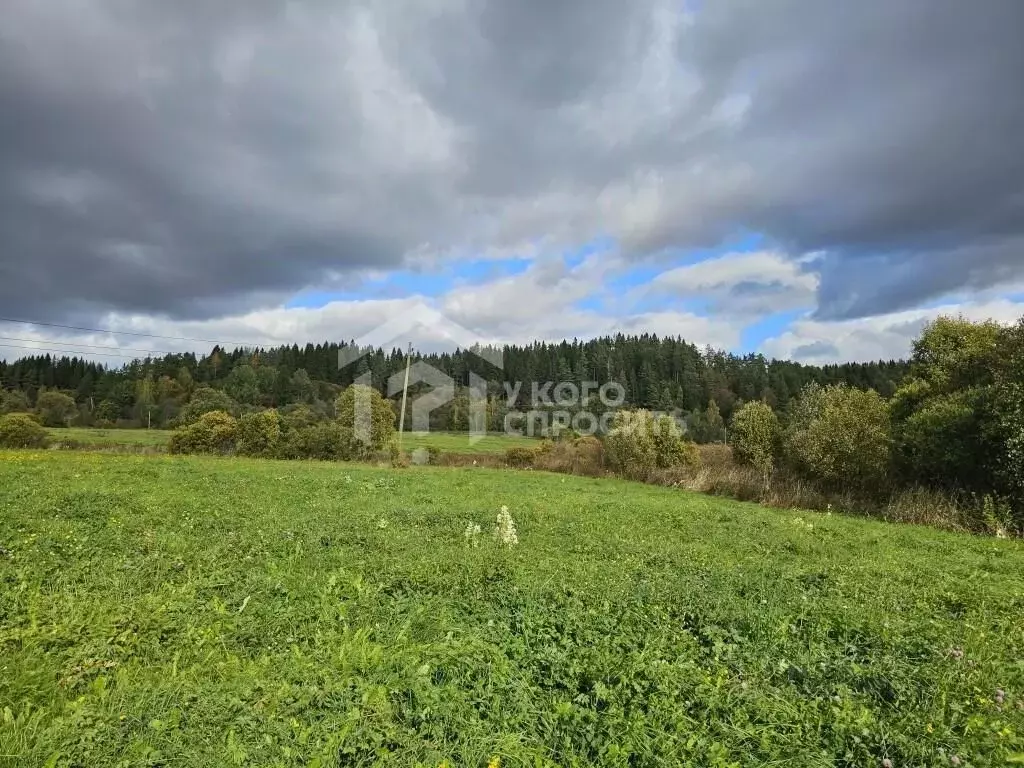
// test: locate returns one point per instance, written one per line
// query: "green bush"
(943, 442)
(107, 412)
(213, 432)
(630, 445)
(14, 401)
(297, 416)
(639, 443)
(367, 431)
(841, 437)
(19, 430)
(755, 437)
(1008, 418)
(206, 400)
(259, 434)
(55, 408)
(520, 457)
(327, 441)
(671, 446)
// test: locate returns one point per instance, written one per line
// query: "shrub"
(327, 441)
(213, 432)
(367, 430)
(582, 456)
(544, 446)
(1008, 417)
(639, 443)
(398, 458)
(840, 436)
(19, 430)
(206, 400)
(671, 446)
(259, 434)
(716, 456)
(755, 437)
(56, 409)
(297, 417)
(107, 412)
(707, 426)
(14, 401)
(589, 455)
(943, 442)
(519, 456)
(630, 445)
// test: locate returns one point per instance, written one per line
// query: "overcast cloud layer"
(177, 162)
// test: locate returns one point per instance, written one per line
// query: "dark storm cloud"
(135, 175)
(890, 134)
(192, 158)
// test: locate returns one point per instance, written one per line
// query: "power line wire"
(66, 343)
(76, 353)
(128, 333)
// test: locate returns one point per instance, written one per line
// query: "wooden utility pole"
(405, 393)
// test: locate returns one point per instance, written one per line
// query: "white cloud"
(882, 337)
(539, 304)
(740, 284)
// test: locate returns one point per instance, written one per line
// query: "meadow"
(157, 440)
(88, 437)
(459, 442)
(207, 611)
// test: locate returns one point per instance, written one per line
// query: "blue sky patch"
(754, 335)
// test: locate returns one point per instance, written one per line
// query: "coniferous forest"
(665, 374)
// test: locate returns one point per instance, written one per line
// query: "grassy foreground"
(187, 611)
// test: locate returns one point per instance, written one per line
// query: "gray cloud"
(816, 349)
(193, 160)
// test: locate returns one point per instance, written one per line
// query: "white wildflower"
(505, 529)
(382, 523)
(472, 534)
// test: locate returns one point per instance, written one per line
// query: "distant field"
(113, 437)
(449, 442)
(455, 442)
(188, 611)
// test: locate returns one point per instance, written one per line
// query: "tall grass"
(718, 474)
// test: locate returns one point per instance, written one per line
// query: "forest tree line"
(706, 386)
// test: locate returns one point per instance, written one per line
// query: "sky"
(809, 179)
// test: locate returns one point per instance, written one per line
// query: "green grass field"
(109, 438)
(449, 442)
(188, 611)
(453, 442)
